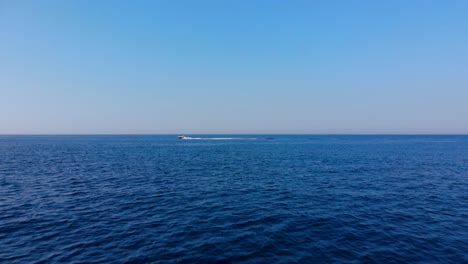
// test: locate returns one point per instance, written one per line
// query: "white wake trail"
(216, 138)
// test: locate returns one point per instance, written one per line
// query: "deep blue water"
(350, 199)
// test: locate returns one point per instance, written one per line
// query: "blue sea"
(234, 199)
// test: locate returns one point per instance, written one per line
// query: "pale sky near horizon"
(117, 67)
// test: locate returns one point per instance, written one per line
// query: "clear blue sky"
(233, 66)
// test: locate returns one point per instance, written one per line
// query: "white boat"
(181, 137)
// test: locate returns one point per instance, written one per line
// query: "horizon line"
(172, 134)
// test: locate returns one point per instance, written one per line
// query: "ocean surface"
(234, 199)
